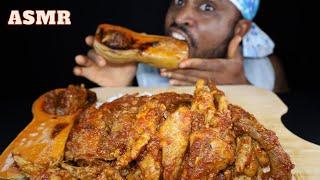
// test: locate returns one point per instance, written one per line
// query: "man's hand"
(100, 71)
(221, 71)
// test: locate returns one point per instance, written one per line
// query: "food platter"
(266, 106)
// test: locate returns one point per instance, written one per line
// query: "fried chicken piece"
(133, 150)
(214, 114)
(28, 168)
(98, 171)
(212, 141)
(55, 174)
(123, 114)
(103, 133)
(202, 102)
(261, 155)
(219, 98)
(134, 174)
(150, 164)
(174, 135)
(209, 153)
(147, 120)
(173, 101)
(245, 123)
(246, 162)
(85, 137)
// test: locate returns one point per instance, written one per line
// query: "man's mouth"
(182, 36)
(178, 36)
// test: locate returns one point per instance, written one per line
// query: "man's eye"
(206, 7)
(179, 2)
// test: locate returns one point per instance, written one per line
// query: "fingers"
(180, 76)
(192, 63)
(77, 71)
(175, 82)
(234, 50)
(89, 40)
(202, 64)
(83, 60)
(83, 63)
(188, 75)
(96, 58)
(83, 71)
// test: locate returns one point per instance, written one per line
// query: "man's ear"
(242, 27)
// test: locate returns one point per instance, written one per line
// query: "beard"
(222, 50)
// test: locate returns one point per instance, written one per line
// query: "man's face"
(207, 25)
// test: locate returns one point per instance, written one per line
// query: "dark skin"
(213, 29)
(219, 56)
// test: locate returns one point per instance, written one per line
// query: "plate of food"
(202, 132)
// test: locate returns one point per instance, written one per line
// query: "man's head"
(207, 25)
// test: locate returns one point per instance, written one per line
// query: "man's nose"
(185, 17)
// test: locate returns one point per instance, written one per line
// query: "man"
(225, 46)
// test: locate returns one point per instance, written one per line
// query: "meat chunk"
(246, 162)
(68, 101)
(150, 163)
(117, 40)
(209, 153)
(174, 135)
(245, 123)
(147, 120)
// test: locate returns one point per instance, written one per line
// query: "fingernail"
(76, 71)
(163, 70)
(172, 82)
(182, 65)
(163, 74)
(101, 63)
(77, 57)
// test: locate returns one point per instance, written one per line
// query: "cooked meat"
(164, 136)
(54, 174)
(86, 135)
(245, 123)
(150, 163)
(261, 155)
(100, 171)
(246, 162)
(117, 40)
(147, 120)
(106, 133)
(68, 101)
(212, 143)
(29, 168)
(174, 135)
(208, 154)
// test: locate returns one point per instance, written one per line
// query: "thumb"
(234, 50)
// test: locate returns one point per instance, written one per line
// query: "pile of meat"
(170, 136)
